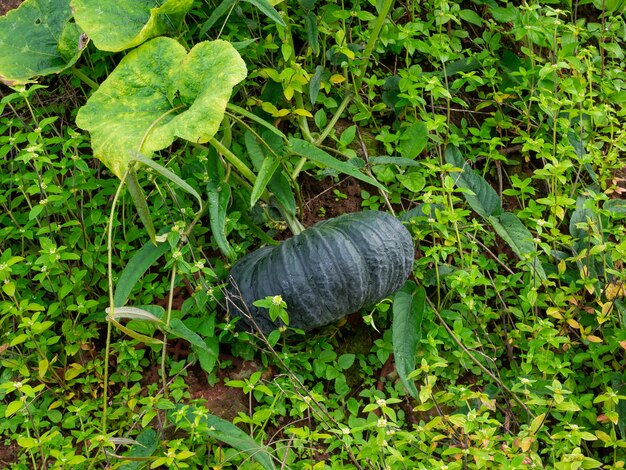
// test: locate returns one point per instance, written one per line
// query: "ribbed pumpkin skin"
(326, 272)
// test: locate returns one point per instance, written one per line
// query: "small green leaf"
(219, 197)
(471, 17)
(409, 306)
(414, 182)
(145, 257)
(122, 24)
(345, 361)
(307, 150)
(13, 408)
(37, 39)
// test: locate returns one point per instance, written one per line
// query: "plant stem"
(241, 167)
(476, 361)
(78, 73)
(302, 122)
(107, 349)
(369, 48)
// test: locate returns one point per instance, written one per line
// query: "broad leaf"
(481, 197)
(122, 24)
(38, 39)
(305, 149)
(413, 140)
(409, 305)
(519, 238)
(208, 425)
(159, 92)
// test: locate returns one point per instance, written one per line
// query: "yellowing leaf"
(613, 290)
(73, 371)
(13, 408)
(157, 93)
(119, 25)
(554, 312)
(594, 339)
(337, 78)
(302, 112)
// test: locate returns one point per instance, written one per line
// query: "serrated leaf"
(122, 24)
(145, 257)
(222, 430)
(307, 150)
(482, 198)
(37, 39)
(409, 305)
(157, 93)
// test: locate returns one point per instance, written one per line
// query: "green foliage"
(38, 39)
(495, 131)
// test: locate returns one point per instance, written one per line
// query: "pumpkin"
(324, 273)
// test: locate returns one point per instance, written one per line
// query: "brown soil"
(8, 454)
(322, 202)
(5, 6)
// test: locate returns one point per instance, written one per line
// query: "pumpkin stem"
(292, 222)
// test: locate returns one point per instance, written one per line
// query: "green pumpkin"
(326, 272)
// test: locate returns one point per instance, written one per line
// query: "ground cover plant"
(141, 159)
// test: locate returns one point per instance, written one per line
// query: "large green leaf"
(122, 24)
(159, 92)
(38, 39)
(479, 194)
(409, 305)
